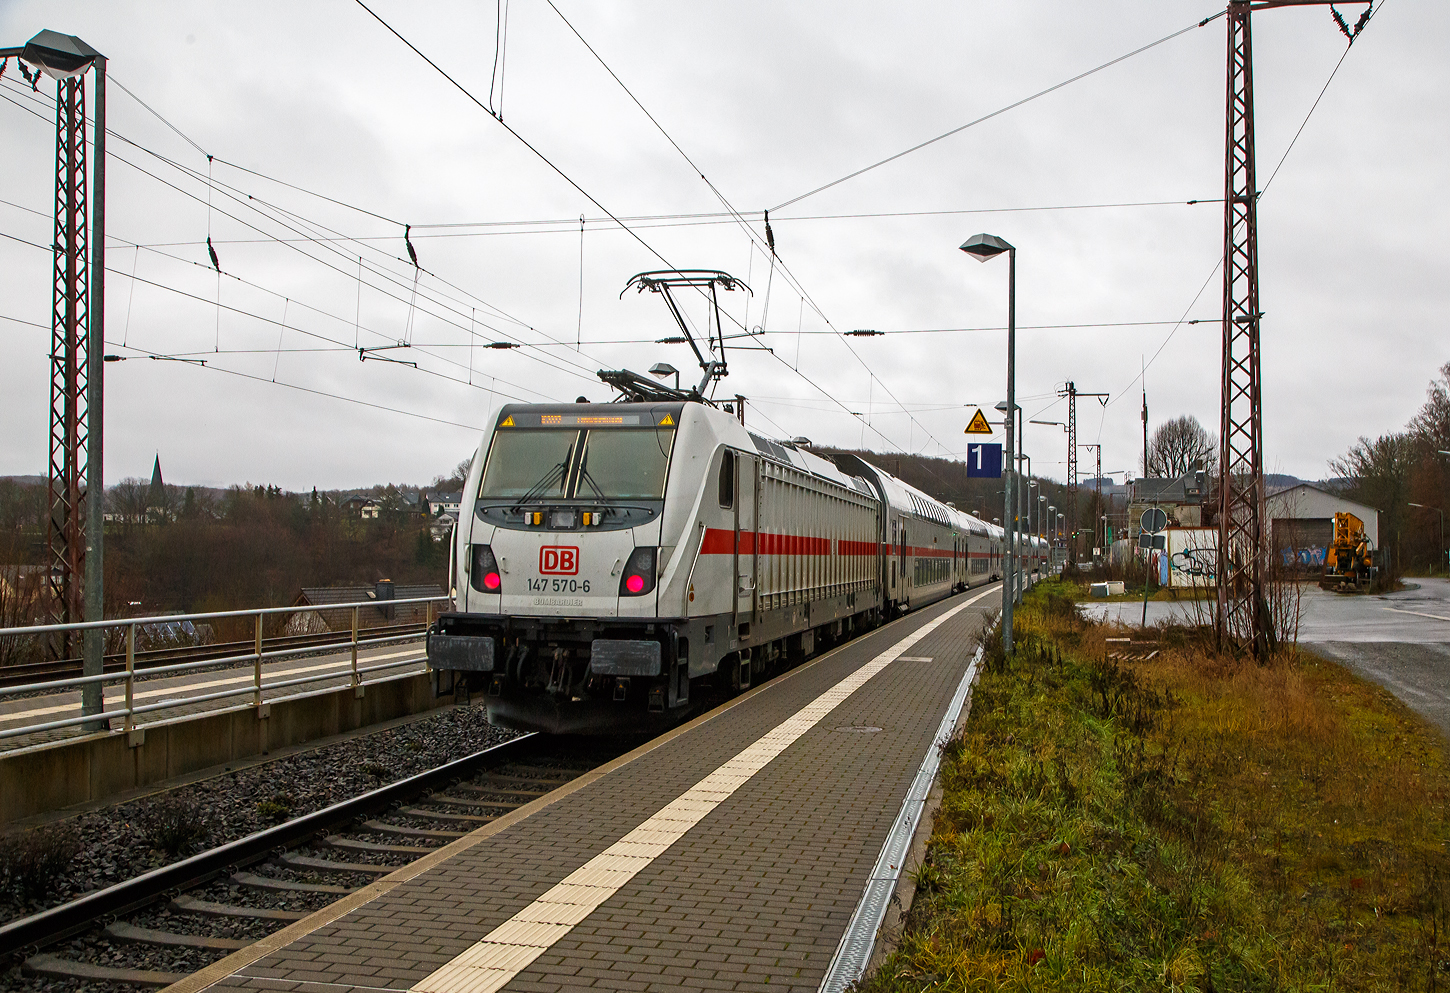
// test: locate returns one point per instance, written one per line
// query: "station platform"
(735, 852)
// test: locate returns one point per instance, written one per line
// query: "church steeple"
(156, 495)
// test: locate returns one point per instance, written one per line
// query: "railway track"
(34, 672)
(153, 930)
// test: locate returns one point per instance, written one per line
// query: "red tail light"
(639, 573)
(484, 573)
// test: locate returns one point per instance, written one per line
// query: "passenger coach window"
(727, 479)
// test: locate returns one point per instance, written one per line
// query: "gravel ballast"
(120, 842)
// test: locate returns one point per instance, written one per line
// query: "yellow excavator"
(1349, 562)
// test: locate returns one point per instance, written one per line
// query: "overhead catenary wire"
(212, 366)
(997, 113)
(580, 371)
(770, 247)
(1370, 13)
(340, 345)
(550, 163)
(251, 201)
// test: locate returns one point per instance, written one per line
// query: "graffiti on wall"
(1304, 557)
(1192, 557)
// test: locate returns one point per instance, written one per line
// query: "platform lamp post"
(1042, 528)
(1023, 506)
(1001, 407)
(77, 348)
(1051, 527)
(1442, 517)
(983, 247)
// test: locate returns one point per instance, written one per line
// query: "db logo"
(559, 560)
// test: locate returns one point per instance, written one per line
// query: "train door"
(747, 544)
(904, 560)
(891, 558)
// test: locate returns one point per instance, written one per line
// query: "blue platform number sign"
(984, 461)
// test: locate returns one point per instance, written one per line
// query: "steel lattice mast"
(1243, 551)
(69, 367)
(75, 533)
(1069, 390)
(1243, 617)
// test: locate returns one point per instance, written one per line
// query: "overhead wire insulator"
(412, 254)
(216, 264)
(769, 234)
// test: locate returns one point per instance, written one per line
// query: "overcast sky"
(770, 101)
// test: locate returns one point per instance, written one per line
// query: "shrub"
(174, 825)
(278, 808)
(34, 862)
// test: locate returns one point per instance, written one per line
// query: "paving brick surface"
(757, 895)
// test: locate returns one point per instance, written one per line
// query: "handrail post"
(356, 680)
(130, 677)
(257, 667)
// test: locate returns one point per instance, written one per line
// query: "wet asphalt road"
(1399, 640)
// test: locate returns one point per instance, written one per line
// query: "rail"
(258, 686)
(67, 919)
(17, 673)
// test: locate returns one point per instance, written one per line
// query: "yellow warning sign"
(507, 422)
(979, 424)
(666, 420)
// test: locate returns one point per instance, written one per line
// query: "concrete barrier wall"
(50, 777)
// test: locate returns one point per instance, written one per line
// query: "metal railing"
(257, 687)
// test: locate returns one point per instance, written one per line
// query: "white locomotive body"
(610, 556)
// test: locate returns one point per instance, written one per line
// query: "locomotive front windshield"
(624, 465)
(529, 464)
(598, 464)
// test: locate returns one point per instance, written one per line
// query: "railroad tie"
(255, 882)
(53, 967)
(206, 908)
(411, 832)
(290, 860)
(367, 846)
(121, 931)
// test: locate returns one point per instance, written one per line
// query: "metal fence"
(259, 689)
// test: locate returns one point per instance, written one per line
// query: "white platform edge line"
(473, 970)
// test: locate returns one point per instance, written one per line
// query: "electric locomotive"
(611, 558)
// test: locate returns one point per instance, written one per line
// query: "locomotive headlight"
(485, 573)
(638, 577)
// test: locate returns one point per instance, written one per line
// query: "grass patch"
(1192, 823)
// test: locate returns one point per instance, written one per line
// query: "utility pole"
(1145, 431)
(1070, 391)
(1243, 618)
(75, 529)
(1097, 490)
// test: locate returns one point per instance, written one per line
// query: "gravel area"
(120, 842)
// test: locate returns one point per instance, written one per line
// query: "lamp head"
(662, 369)
(60, 56)
(985, 246)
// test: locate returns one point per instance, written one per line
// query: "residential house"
(380, 609)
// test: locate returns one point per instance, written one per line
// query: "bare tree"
(454, 480)
(128, 499)
(1179, 445)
